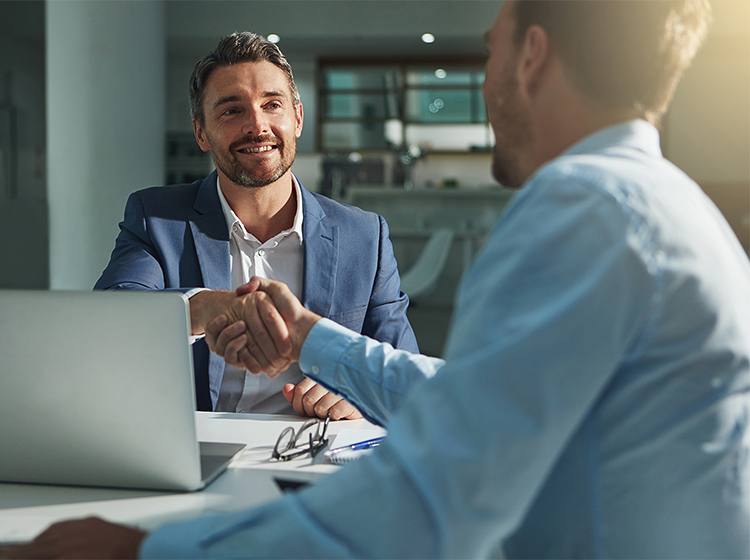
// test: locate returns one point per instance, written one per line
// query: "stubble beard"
(257, 177)
(512, 134)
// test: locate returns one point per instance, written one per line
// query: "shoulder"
(589, 191)
(343, 215)
(617, 194)
(626, 176)
(170, 202)
(185, 191)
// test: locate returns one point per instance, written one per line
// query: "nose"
(255, 123)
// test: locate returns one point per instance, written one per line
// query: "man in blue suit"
(253, 217)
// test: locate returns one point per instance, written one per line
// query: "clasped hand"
(262, 329)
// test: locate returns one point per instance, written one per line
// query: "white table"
(26, 509)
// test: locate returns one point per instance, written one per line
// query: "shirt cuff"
(190, 293)
(324, 346)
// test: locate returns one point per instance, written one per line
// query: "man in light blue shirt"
(593, 401)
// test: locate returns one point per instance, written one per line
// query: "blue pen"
(367, 444)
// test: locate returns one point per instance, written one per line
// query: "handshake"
(261, 327)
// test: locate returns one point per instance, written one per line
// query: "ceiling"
(337, 28)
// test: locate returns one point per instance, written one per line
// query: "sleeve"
(134, 263)
(373, 376)
(386, 314)
(544, 317)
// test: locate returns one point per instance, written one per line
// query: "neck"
(564, 117)
(264, 211)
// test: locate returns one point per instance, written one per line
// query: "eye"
(274, 105)
(230, 111)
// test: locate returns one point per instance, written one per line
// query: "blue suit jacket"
(176, 237)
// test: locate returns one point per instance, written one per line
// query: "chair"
(421, 278)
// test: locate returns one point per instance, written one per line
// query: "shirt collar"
(231, 218)
(637, 134)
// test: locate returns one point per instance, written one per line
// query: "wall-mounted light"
(440, 74)
(273, 38)
(428, 38)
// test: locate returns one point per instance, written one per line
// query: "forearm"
(371, 375)
(333, 519)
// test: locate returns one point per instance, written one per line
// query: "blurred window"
(385, 106)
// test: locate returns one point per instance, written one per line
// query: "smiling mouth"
(258, 150)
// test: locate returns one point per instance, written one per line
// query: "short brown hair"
(233, 49)
(623, 53)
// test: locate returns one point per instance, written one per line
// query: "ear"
(534, 59)
(200, 136)
(299, 119)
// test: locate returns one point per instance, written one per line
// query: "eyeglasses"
(310, 438)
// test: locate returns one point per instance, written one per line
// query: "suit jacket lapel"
(211, 237)
(321, 256)
(320, 247)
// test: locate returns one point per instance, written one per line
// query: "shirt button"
(236, 227)
(315, 370)
(261, 252)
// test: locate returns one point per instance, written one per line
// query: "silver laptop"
(96, 389)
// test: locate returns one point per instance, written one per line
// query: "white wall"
(105, 127)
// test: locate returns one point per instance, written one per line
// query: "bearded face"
(254, 174)
(511, 126)
(251, 123)
(508, 117)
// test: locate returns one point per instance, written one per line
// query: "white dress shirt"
(280, 258)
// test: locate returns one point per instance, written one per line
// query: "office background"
(93, 105)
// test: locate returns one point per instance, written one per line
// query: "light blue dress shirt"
(594, 401)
